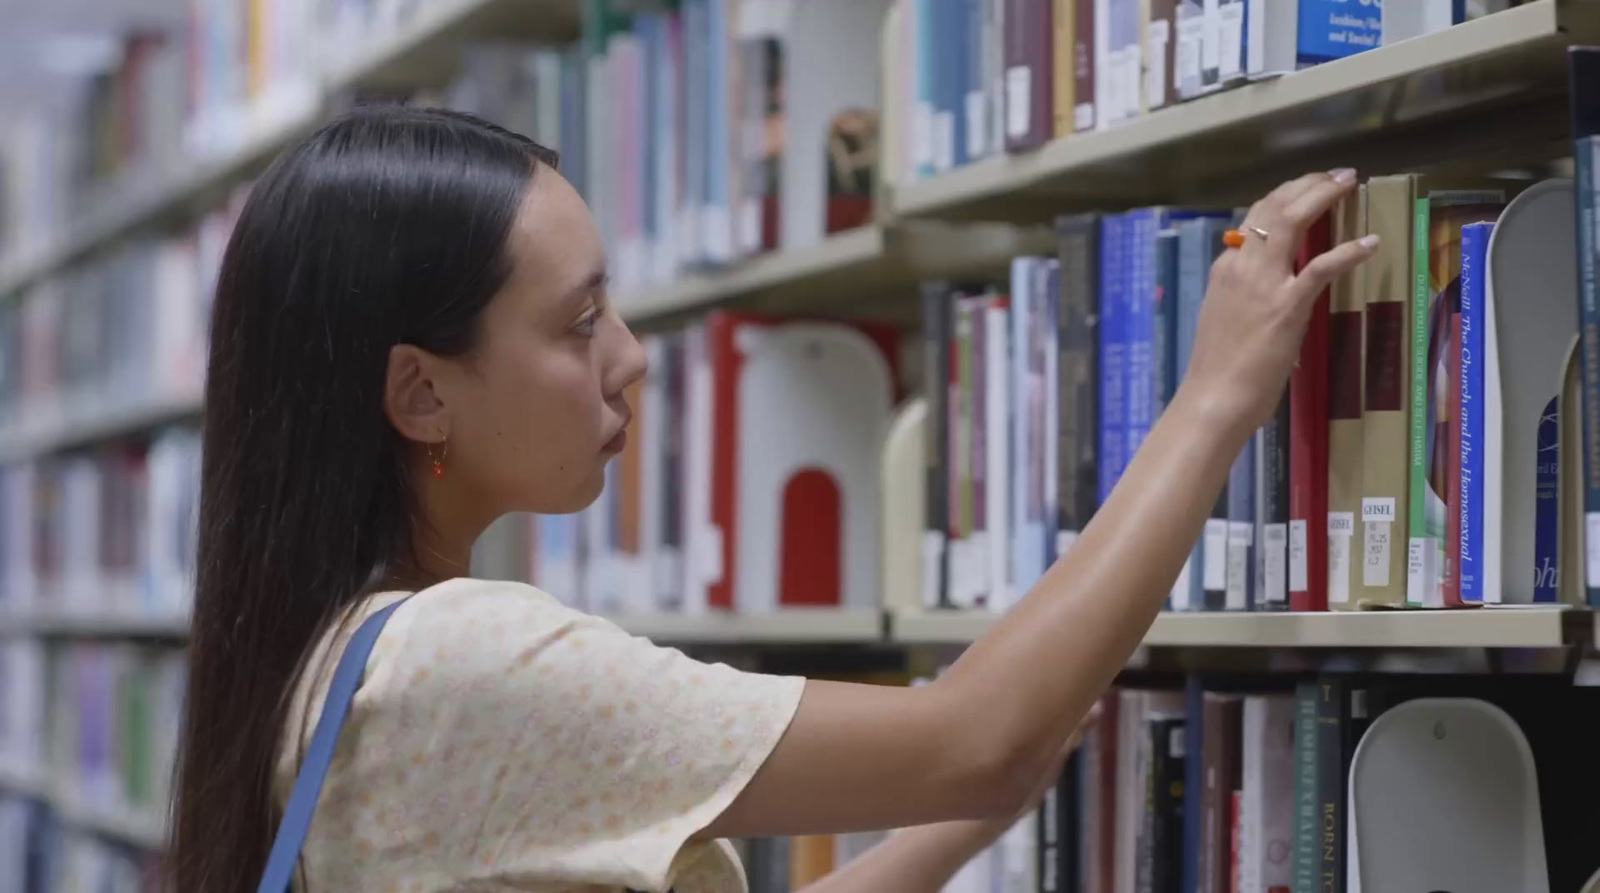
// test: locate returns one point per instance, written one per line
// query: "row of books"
(970, 79)
(126, 330)
(168, 95)
(105, 532)
(41, 854)
(1434, 405)
(1232, 784)
(727, 129)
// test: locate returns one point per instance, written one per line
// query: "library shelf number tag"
(1341, 529)
(1019, 101)
(1299, 573)
(1377, 522)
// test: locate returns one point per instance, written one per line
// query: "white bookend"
(904, 501)
(1532, 302)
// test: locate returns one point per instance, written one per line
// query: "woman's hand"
(1256, 308)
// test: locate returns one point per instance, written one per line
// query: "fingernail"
(1344, 175)
(1370, 242)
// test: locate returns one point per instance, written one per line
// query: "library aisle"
(915, 279)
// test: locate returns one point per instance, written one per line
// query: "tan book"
(1571, 482)
(904, 506)
(1064, 73)
(1346, 301)
(1381, 526)
(810, 859)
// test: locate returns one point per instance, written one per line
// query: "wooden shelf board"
(425, 52)
(790, 626)
(75, 428)
(1518, 627)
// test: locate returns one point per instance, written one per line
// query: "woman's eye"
(585, 326)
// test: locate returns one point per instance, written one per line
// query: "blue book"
(718, 226)
(1193, 781)
(1146, 367)
(651, 29)
(1474, 255)
(922, 126)
(1584, 71)
(1113, 355)
(973, 142)
(1334, 29)
(1166, 317)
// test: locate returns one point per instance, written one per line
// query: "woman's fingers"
(1328, 266)
(1288, 212)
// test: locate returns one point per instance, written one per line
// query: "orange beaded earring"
(438, 461)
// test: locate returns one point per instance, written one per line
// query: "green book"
(1307, 859)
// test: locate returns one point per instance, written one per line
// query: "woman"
(411, 338)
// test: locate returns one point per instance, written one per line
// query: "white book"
(1272, 42)
(997, 458)
(1267, 793)
(651, 429)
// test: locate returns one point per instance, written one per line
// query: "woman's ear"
(410, 398)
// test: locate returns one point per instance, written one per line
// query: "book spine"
(1346, 434)
(1308, 447)
(936, 332)
(1165, 333)
(1083, 66)
(1586, 156)
(962, 584)
(1113, 356)
(997, 442)
(1041, 29)
(1078, 371)
(1385, 420)
(1063, 49)
(1241, 530)
(1049, 358)
(1159, 51)
(1306, 857)
(1421, 576)
(1021, 79)
(978, 430)
(1026, 423)
(1474, 253)
(1272, 501)
(1193, 785)
(1139, 303)
(974, 139)
(924, 110)
(1331, 719)
(1450, 564)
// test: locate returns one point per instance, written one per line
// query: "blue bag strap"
(314, 769)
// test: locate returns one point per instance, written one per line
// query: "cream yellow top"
(503, 741)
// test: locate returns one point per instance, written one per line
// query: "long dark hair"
(387, 226)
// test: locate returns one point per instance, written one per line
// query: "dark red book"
(1451, 572)
(1029, 75)
(1308, 448)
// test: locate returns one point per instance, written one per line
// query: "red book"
(1451, 576)
(1308, 448)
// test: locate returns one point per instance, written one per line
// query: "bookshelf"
(1511, 627)
(97, 625)
(147, 830)
(1476, 87)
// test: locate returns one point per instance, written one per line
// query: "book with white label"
(1385, 420)
(1346, 305)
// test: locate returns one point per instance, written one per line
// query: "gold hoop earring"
(438, 461)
